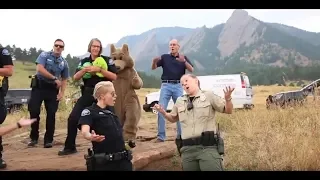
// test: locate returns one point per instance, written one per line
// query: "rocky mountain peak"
(239, 13)
(192, 42)
(240, 28)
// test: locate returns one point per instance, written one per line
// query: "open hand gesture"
(26, 122)
(227, 92)
(95, 137)
(159, 108)
(181, 58)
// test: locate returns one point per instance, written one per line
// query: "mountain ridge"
(242, 38)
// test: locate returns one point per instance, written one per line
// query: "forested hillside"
(270, 53)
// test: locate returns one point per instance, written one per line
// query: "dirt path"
(167, 164)
(19, 157)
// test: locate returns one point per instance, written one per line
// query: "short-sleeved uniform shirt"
(91, 82)
(106, 123)
(5, 59)
(57, 66)
(172, 69)
(202, 117)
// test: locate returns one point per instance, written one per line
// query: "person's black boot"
(32, 143)
(65, 151)
(3, 164)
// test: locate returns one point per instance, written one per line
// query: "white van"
(241, 97)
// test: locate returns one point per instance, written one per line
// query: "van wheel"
(153, 110)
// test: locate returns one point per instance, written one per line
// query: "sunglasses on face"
(57, 45)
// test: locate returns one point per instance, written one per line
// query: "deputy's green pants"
(201, 158)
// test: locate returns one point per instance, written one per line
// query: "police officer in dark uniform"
(6, 70)
(110, 152)
(48, 85)
(90, 79)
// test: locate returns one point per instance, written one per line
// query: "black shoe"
(65, 151)
(3, 164)
(48, 145)
(32, 143)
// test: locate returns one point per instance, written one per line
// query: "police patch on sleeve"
(5, 52)
(85, 112)
(111, 62)
(43, 54)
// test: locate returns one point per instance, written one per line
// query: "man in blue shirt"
(174, 66)
(49, 86)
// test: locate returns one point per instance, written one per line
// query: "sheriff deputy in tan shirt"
(196, 112)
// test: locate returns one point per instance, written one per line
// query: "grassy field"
(258, 139)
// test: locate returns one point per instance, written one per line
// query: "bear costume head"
(121, 57)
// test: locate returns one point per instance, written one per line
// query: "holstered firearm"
(220, 142)
(179, 144)
(208, 138)
(34, 81)
(89, 160)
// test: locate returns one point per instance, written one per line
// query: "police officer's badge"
(5, 52)
(85, 112)
(61, 65)
(111, 62)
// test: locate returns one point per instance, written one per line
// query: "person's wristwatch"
(229, 99)
(19, 125)
(55, 78)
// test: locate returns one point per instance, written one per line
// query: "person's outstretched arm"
(11, 127)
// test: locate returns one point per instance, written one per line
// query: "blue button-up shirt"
(56, 66)
(172, 69)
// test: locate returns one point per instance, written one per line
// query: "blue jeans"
(168, 90)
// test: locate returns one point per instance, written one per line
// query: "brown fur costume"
(127, 106)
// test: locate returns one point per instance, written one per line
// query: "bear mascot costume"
(127, 106)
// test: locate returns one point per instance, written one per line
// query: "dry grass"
(259, 139)
(272, 139)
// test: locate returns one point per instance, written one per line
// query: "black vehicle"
(310, 89)
(292, 98)
(16, 98)
(284, 99)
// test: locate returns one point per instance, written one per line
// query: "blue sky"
(39, 28)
